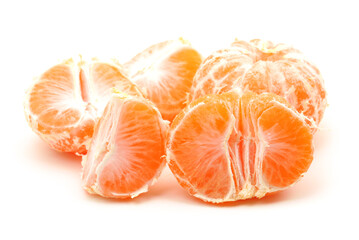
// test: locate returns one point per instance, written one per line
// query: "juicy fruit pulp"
(64, 103)
(232, 146)
(261, 66)
(127, 151)
(165, 73)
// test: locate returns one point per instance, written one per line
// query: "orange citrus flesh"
(165, 73)
(261, 66)
(64, 103)
(236, 146)
(127, 151)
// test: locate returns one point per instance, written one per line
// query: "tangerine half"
(237, 146)
(64, 103)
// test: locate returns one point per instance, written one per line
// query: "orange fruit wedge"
(64, 103)
(165, 73)
(261, 66)
(126, 154)
(237, 146)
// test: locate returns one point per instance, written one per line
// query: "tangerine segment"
(257, 143)
(51, 96)
(64, 103)
(289, 153)
(165, 73)
(261, 66)
(126, 153)
(192, 140)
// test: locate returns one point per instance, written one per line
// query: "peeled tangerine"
(237, 146)
(127, 151)
(164, 72)
(64, 103)
(261, 66)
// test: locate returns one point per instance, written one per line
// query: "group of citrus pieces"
(236, 125)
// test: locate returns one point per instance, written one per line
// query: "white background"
(41, 195)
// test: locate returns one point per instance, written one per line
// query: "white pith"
(200, 79)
